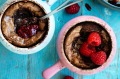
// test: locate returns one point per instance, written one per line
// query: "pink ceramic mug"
(63, 62)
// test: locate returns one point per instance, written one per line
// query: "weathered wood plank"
(12, 66)
(2, 2)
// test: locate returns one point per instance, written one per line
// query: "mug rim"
(109, 5)
(61, 37)
(38, 46)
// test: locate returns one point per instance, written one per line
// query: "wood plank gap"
(28, 67)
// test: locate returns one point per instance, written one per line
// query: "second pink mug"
(64, 63)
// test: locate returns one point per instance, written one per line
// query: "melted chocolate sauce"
(24, 16)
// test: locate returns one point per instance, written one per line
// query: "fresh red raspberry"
(86, 49)
(68, 77)
(94, 39)
(98, 58)
(21, 32)
(27, 31)
(73, 9)
(32, 30)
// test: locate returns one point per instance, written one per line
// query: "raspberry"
(94, 39)
(98, 58)
(21, 32)
(27, 31)
(86, 49)
(31, 30)
(68, 77)
(73, 9)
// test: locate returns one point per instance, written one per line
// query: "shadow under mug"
(63, 62)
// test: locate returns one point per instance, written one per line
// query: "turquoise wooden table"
(14, 66)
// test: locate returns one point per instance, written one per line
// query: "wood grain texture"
(13, 66)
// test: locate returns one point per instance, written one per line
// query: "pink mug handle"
(48, 73)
